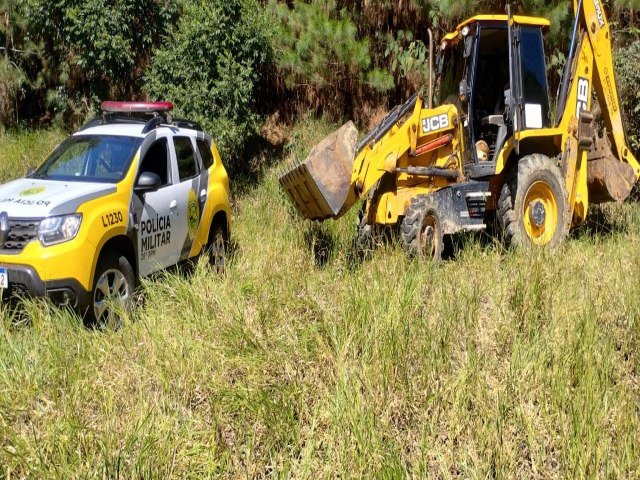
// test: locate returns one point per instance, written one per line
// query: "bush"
(321, 57)
(626, 61)
(211, 69)
(93, 50)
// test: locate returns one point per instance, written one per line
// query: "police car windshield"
(90, 158)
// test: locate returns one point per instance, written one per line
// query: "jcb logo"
(599, 12)
(582, 102)
(437, 122)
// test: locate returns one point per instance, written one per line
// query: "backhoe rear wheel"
(421, 229)
(533, 206)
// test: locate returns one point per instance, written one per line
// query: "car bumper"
(25, 281)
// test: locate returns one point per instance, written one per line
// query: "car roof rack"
(149, 114)
(184, 123)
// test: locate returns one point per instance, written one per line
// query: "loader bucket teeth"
(319, 186)
(607, 178)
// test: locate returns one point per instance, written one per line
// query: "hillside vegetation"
(232, 64)
(303, 362)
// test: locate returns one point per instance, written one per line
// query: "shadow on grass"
(321, 242)
(600, 223)
(454, 245)
(260, 155)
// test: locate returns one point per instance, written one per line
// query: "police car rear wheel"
(218, 249)
(113, 289)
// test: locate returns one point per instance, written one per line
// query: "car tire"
(112, 293)
(218, 248)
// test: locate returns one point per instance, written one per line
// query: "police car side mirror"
(147, 181)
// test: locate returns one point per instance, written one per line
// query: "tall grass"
(303, 362)
(24, 149)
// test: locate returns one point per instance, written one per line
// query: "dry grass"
(497, 364)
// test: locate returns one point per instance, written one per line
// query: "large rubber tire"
(533, 206)
(364, 240)
(112, 293)
(218, 247)
(421, 229)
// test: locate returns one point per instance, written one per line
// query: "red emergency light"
(143, 107)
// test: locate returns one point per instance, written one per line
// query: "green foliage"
(626, 61)
(12, 79)
(409, 56)
(317, 47)
(342, 58)
(96, 49)
(15, 53)
(211, 67)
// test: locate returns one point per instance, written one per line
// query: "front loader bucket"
(607, 177)
(319, 186)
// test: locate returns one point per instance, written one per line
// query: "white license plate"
(4, 278)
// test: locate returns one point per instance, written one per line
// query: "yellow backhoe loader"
(491, 147)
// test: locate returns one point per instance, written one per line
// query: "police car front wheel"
(113, 290)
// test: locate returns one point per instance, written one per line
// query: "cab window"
(187, 166)
(205, 152)
(156, 160)
(451, 69)
(534, 78)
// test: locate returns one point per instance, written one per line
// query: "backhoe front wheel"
(421, 229)
(533, 206)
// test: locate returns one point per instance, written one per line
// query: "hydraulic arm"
(338, 172)
(594, 171)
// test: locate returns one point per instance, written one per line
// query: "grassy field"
(301, 362)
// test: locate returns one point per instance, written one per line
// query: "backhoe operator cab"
(475, 73)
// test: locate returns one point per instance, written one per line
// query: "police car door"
(189, 196)
(158, 219)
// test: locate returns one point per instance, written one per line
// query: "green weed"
(495, 364)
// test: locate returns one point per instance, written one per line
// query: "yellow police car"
(132, 192)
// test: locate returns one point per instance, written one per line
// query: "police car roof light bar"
(138, 107)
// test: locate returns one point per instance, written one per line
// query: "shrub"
(320, 56)
(92, 50)
(626, 61)
(211, 66)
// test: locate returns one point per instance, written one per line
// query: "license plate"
(4, 278)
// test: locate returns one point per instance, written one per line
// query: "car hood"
(36, 198)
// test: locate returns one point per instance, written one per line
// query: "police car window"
(187, 167)
(156, 161)
(205, 152)
(90, 158)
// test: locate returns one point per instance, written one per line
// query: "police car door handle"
(203, 194)
(173, 205)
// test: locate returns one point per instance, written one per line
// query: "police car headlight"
(60, 229)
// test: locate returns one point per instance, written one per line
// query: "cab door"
(529, 91)
(514, 98)
(157, 211)
(192, 193)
